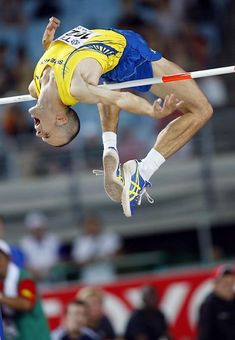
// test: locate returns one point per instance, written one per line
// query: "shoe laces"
(98, 172)
(146, 194)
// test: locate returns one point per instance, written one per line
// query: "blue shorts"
(135, 62)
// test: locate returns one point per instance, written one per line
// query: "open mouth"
(36, 121)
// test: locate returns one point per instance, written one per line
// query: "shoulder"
(136, 314)
(210, 298)
(208, 304)
(89, 334)
(51, 238)
(26, 242)
(110, 237)
(57, 333)
(160, 314)
(106, 321)
(82, 240)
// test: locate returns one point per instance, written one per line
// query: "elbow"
(122, 99)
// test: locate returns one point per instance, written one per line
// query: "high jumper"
(69, 72)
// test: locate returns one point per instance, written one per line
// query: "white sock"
(109, 139)
(150, 164)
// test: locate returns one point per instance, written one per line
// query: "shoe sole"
(113, 186)
(127, 170)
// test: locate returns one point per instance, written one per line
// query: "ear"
(61, 119)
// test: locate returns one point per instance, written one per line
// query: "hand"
(49, 33)
(162, 109)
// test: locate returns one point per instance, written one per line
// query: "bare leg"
(109, 116)
(113, 183)
(196, 109)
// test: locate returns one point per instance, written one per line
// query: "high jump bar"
(141, 82)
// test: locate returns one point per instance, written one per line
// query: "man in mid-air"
(69, 72)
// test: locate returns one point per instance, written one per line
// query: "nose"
(32, 110)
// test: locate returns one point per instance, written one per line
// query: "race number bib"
(77, 37)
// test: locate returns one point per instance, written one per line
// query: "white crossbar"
(141, 82)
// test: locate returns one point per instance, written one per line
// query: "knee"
(203, 112)
(207, 110)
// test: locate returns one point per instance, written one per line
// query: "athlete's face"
(49, 123)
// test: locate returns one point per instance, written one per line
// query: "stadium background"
(190, 228)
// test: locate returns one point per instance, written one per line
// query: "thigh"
(186, 90)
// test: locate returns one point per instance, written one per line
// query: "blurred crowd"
(188, 32)
(40, 257)
(88, 257)
(85, 316)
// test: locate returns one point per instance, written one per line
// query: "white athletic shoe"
(113, 180)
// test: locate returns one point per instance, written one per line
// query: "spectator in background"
(7, 81)
(40, 247)
(97, 320)
(148, 322)
(95, 250)
(92, 146)
(47, 8)
(22, 311)
(22, 69)
(130, 145)
(217, 312)
(15, 124)
(17, 255)
(12, 13)
(75, 324)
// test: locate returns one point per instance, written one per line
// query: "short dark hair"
(72, 127)
(224, 270)
(76, 302)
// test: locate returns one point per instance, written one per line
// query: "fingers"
(48, 35)
(164, 108)
(172, 102)
(179, 104)
(55, 20)
(157, 105)
(53, 24)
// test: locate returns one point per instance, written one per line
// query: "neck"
(49, 95)
(223, 295)
(74, 335)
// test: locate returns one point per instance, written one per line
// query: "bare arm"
(88, 92)
(16, 303)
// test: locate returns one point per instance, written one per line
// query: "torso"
(97, 53)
